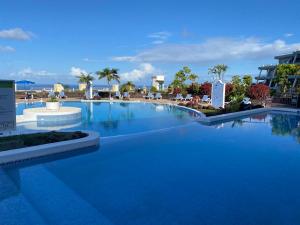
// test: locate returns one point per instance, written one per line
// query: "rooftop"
(287, 55)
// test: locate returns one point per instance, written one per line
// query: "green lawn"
(27, 140)
(211, 112)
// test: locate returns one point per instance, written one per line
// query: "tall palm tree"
(218, 71)
(110, 75)
(130, 85)
(193, 77)
(86, 79)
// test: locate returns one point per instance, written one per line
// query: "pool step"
(14, 207)
(55, 202)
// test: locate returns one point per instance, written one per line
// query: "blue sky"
(49, 41)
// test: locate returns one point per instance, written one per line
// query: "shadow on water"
(10, 177)
(49, 158)
(10, 182)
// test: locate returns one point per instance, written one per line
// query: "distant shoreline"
(39, 87)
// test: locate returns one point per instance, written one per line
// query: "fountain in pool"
(51, 116)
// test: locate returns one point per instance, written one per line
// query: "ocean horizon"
(36, 87)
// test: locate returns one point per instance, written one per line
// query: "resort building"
(58, 87)
(115, 88)
(82, 86)
(268, 72)
(158, 82)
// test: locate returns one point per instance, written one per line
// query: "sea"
(47, 87)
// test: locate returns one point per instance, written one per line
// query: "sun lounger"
(188, 97)
(126, 95)
(51, 94)
(149, 96)
(118, 95)
(246, 101)
(29, 95)
(178, 97)
(158, 96)
(206, 99)
(62, 95)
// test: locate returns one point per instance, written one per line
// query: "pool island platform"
(46, 115)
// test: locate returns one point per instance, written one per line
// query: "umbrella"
(24, 83)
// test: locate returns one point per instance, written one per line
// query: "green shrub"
(53, 99)
(184, 92)
(233, 106)
(27, 140)
(153, 89)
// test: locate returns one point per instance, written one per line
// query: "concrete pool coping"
(236, 115)
(21, 154)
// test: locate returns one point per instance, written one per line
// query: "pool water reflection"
(117, 118)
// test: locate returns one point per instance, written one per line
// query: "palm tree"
(86, 79)
(130, 85)
(218, 71)
(110, 75)
(193, 77)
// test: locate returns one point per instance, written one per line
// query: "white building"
(58, 87)
(82, 86)
(158, 82)
(115, 88)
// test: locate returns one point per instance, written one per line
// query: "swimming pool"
(116, 118)
(162, 167)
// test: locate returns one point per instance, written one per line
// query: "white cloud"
(211, 51)
(158, 42)
(29, 73)
(288, 35)
(159, 37)
(16, 34)
(76, 71)
(144, 70)
(6, 49)
(92, 60)
(124, 59)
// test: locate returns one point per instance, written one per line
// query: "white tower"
(158, 82)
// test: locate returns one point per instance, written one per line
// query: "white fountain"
(53, 112)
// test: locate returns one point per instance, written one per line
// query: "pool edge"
(15, 155)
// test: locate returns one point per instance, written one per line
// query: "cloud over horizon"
(29, 73)
(76, 71)
(143, 71)
(215, 50)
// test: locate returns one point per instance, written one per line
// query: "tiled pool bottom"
(241, 172)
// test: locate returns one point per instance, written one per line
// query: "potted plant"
(52, 104)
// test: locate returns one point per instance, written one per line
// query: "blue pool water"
(162, 167)
(117, 118)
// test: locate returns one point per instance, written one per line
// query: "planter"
(52, 105)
